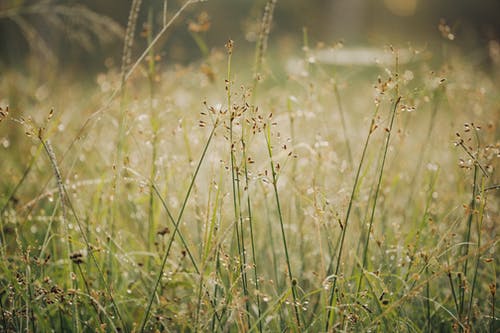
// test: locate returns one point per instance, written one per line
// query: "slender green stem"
(437, 96)
(470, 218)
(293, 281)
(235, 184)
(198, 306)
(478, 255)
(216, 287)
(155, 128)
(377, 191)
(252, 239)
(261, 47)
(176, 229)
(122, 125)
(422, 224)
(493, 319)
(65, 201)
(60, 185)
(453, 292)
(344, 125)
(428, 299)
(329, 317)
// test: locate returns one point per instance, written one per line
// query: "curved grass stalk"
(261, 48)
(50, 153)
(176, 229)
(472, 212)
(252, 239)
(437, 97)
(434, 276)
(66, 201)
(377, 191)
(235, 185)
(478, 256)
(292, 280)
(329, 316)
(106, 105)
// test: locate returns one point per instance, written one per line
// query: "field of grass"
(237, 194)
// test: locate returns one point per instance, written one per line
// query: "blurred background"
(85, 35)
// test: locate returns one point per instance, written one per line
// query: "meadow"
(267, 192)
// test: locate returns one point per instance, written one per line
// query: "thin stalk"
(176, 228)
(479, 219)
(165, 11)
(293, 281)
(122, 125)
(291, 118)
(30, 315)
(472, 212)
(332, 249)
(216, 287)
(65, 201)
(432, 121)
(377, 191)
(422, 224)
(377, 303)
(129, 41)
(470, 218)
(87, 288)
(155, 128)
(175, 222)
(204, 247)
(366, 212)
(131, 70)
(271, 242)
(90, 251)
(243, 260)
(336, 93)
(158, 37)
(453, 292)
(209, 233)
(235, 184)
(261, 47)
(493, 319)
(198, 306)
(428, 300)
(12, 194)
(418, 287)
(218, 272)
(343, 121)
(478, 256)
(214, 227)
(177, 231)
(50, 153)
(476, 162)
(329, 317)
(252, 239)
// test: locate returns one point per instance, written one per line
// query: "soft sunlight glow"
(401, 7)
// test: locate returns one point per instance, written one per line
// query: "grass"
(227, 196)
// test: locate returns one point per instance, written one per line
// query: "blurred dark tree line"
(83, 33)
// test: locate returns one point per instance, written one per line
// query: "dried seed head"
(493, 288)
(229, 46)
(163, 232)
(4, 113)
(51, 114)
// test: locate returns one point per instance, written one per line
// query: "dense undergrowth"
(219, 197)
